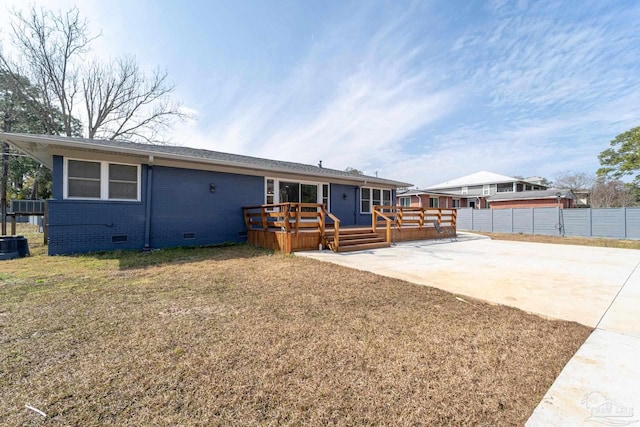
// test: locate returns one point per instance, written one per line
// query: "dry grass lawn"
(240, 336)
(578, 241)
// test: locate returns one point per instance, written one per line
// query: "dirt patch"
(241, 336)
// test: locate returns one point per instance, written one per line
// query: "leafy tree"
(623, 156)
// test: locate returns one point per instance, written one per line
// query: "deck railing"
(295, 218)
(287, 217)
(416, 217)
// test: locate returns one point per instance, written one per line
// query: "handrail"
(336, 230)
(414, 216)
(377, 214)
(274, 205)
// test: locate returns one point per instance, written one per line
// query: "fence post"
(492, 226)
(624, 222)
(590, 221)
(511, 213)
(533, 220)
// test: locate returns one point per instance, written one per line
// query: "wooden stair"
(355, 239)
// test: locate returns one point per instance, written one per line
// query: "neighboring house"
(582, 198)
(478, 187)
(110, 195)
(552, 197)
(429, 199)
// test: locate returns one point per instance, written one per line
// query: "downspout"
(147, 215)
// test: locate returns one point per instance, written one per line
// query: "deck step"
(356, 239)
(363, 247)
(362, 240)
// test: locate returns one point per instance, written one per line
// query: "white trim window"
(464, 190)
(405, 201)
(434, 202)
(100, 180)
(486, 189)
(282, 191)
(370, 197)
(455, 203)
(365, 200)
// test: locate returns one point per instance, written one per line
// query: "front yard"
(238, 335)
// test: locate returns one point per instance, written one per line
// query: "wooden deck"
(291, 227)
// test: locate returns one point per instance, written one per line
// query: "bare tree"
(611, 194)
(122, 102)
(574, 180)
(50, 47)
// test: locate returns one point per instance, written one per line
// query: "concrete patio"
(598, 287)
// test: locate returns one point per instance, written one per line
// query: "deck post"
(421, 218)
(263, 215)
(388, 231)
(321, 224)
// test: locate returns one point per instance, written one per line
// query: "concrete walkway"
(598, 287)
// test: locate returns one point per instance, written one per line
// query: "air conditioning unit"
(27, 207)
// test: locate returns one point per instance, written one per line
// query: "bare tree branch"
(123, 103)
(51, 46)
(120, 100)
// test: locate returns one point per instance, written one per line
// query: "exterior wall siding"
(184, 212)
(182, 204)
(618, 223)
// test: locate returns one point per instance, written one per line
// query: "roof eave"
(17, 139)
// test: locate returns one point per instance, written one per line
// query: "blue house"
(110, 195)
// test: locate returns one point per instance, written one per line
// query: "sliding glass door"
(296, 192)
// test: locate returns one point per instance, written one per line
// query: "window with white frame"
(434, 202)
(99, 180)
(365, 200)
(405, 201)
(281, 191)
(465, 190)
(456, 203)
(486, 190)
(370, 197)
(386, 197)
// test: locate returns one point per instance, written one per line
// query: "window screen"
(123, 182)
(83, 179)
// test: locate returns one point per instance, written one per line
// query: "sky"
(420, 92)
